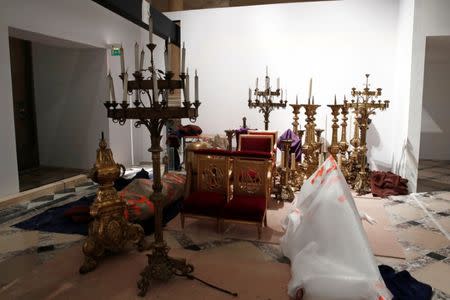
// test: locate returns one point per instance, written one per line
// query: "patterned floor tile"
(435, 274)
(424, 238)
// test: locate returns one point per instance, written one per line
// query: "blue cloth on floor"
(403, 286)
(53, 219)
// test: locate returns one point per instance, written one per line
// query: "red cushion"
(252, 154)
(256, 143)
(204, 203)
(246, 208)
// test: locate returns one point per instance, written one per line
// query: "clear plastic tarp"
(330, 255)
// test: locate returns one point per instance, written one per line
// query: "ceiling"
(174, 5)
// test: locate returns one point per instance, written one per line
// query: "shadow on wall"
(408, 165)
(373, 142)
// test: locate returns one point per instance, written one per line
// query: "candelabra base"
(362, 184)
(345, 168)
(287, 193)
(161, 267)
(109, 233)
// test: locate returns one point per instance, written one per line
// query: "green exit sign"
(115, 51)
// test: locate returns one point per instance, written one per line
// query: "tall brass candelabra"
(310, 147)
(264, 99)
(334, 147)
(153, 116)
(364, 110)
(296, 111)
(343, 145)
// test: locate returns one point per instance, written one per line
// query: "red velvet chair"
(261, 141)
(251, 193)
(274, 134)
(253, 142)
(212, 189)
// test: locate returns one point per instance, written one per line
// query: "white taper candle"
(150, 22)
(169, 56)
(136, 56)
(310, 88)
(183, 59)
(122, 60)
(125, 87)
(141, 62)
(186, 87)
(196, 86)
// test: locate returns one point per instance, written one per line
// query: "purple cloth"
(296, 146)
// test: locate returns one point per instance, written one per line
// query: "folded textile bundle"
(296, 146)
(189, 130)
(385, 184)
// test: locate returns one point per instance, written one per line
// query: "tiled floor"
(434, 175)
(44, 175)
(420, 221)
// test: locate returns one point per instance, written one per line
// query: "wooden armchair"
(251, 192)
(211, 192)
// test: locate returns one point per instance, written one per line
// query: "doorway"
(58, 118)
(24, 107)
(434, 158)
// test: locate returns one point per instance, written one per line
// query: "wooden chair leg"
(182, 217)
(265, 220)
(218, 226)
(259, 231)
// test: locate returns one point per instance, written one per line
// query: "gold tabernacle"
(109, 230)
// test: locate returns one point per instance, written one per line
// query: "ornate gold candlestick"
(343, 145)
(301, 133)
(295, 110)
(109, 231)
(287, 193)
(264, 100)
(334, 147)
(310, 146)
(365, 109)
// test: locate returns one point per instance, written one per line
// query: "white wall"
(336, 43)
(431, 18)
(68, 86)
(435, 132)
(82, 21)
(9, 181)
(402, 159)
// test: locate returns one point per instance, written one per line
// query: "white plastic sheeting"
(326, 243)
